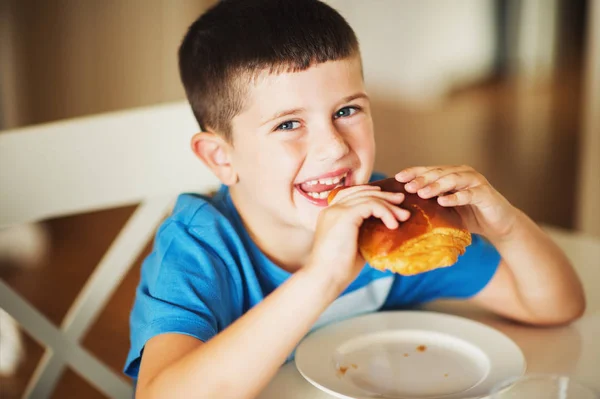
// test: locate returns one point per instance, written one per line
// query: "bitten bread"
(433, 237)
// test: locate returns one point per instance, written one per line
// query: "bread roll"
(433, 236)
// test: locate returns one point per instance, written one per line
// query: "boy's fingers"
(396, 212)
(352, 191)
(471, 196)
(380, 208)
(408, 174)
(433, 175)
(383, 212)
(401, 214)
(393, 215)
(395, 198)
(452, 182)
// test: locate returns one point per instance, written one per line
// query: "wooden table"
(573, 350)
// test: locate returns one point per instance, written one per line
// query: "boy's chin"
(308, 214)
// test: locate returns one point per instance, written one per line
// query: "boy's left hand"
(483, 209)
(516, 289)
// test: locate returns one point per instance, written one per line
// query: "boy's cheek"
(365, 148)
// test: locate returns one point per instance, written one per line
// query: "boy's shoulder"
(191, 282)
(196, 210)
(199, 223)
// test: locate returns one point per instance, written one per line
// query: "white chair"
(136, 156)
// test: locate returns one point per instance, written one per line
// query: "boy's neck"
(273, 238)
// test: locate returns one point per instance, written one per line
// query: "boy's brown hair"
(229, 45)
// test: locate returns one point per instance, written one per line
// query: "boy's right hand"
(335, 246)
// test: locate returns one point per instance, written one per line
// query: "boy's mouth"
(316, 190)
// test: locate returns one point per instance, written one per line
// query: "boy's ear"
(215, 152)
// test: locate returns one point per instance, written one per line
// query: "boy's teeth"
(322, 194)
(326, 182)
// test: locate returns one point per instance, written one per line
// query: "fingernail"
(401, 177)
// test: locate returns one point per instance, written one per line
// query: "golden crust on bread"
(433, 237)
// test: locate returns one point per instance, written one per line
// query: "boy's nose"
(330, 145)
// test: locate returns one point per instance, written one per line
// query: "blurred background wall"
(508, 86)
(67, 58)
(492, 83)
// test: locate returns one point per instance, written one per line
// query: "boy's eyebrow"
(354, 97)
(281, 114)
(287, 112)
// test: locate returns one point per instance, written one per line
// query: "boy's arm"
(240, 361)
(535, 283)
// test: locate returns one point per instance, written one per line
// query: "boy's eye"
(344, 112)
(288, 125)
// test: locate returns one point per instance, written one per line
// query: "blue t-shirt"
(205, 272)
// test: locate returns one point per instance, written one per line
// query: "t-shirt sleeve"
(184, 288)
(472, 272)
(377, 176)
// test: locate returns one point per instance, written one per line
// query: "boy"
(235, 281)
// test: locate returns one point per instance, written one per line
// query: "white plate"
(408, 355)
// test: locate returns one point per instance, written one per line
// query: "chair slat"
(45, 377)
(98, 162)
(113, 267)
(43, 331)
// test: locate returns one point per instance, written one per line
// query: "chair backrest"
(139, 156)
(98, 162)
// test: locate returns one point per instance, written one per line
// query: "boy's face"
(300, 135)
